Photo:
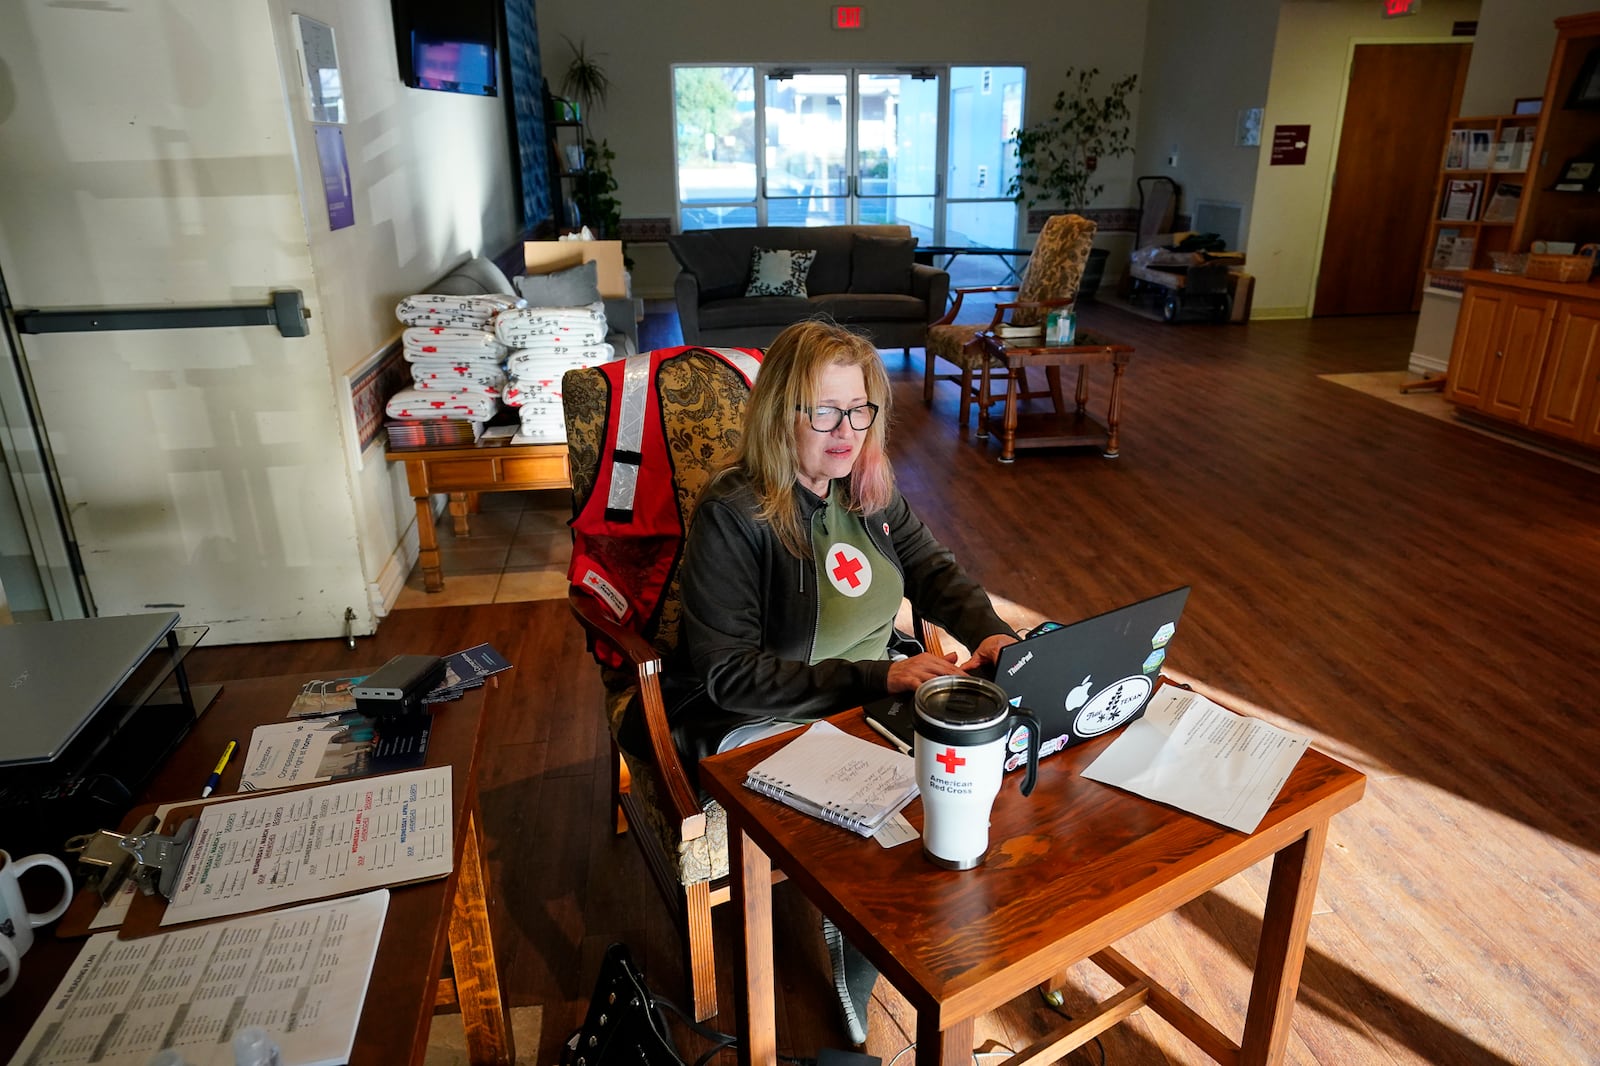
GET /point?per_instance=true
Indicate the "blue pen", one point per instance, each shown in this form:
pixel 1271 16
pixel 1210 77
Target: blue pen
pixel 216 775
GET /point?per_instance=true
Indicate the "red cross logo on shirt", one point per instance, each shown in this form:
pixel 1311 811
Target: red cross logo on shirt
pixel 950 760
pixel 847 569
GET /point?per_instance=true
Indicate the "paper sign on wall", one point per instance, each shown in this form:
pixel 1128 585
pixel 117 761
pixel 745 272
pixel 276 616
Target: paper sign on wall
pixel 1289 145
pixel 335 176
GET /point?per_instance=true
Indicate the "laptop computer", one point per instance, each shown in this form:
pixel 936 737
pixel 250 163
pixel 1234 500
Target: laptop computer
pixel 1079 680
pixel 58 675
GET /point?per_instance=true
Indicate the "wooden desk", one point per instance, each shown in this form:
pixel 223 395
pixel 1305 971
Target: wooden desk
pixel 1060 429
pixel 464 471
pixel 423 919
pixel 1070 871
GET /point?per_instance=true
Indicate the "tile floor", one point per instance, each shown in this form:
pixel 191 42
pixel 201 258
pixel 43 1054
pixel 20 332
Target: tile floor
pixel 517 548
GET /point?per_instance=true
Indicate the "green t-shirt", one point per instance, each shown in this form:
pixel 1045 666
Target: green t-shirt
pixel 858 588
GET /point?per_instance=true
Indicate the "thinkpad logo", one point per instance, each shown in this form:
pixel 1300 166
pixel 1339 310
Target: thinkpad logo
pixel 1019 664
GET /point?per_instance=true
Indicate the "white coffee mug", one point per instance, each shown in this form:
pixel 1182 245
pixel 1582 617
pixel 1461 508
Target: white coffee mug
pixel 962 725
pixel 17 923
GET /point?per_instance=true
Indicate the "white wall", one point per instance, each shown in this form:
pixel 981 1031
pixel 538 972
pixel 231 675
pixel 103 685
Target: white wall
pixel 152 154
pixel 1310 66
pixel 637 41
pixel 1191 101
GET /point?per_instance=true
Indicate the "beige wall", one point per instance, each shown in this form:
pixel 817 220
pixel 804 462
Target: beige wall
pixel 637 41
pixel 1191 101
pixel 1310 66
pixel 156 153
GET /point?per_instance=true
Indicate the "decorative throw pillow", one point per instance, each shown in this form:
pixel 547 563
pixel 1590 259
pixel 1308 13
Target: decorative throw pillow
pixel 577 286
pixel 882 264
pixel 779 273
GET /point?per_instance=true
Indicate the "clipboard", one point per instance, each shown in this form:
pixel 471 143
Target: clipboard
pixel 146 913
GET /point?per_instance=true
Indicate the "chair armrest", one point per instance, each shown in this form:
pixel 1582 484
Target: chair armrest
pixel 932 286
pixel 686 293
pixel 961 294
pixel 647 661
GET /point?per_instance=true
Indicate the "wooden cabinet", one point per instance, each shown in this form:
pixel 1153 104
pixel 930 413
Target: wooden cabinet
pixel 1490 154
pixel 1565 405
pixel 1527 352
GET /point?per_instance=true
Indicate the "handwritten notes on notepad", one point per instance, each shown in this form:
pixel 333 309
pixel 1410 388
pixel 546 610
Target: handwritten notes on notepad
pixel 843 779
pixel 288 847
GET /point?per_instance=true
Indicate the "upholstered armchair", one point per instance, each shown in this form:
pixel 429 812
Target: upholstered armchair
pixel 1050 280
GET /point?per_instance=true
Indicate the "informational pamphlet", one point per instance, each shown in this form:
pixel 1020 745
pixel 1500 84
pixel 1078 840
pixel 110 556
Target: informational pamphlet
pixel 288 847
pixel 301 974
pixel 1194 755
pixel 332 748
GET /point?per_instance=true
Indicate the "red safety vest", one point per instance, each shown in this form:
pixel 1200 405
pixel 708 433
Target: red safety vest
pixel 627 538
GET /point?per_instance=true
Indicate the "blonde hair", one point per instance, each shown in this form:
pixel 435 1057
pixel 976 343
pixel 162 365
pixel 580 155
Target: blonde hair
pixel 790 376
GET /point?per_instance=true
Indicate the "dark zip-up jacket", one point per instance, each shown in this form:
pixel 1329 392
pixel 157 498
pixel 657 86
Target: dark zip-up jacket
pixel 750 615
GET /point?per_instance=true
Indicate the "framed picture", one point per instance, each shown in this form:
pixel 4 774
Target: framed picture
pixel 1579 175
pixel 1586 88
pixel 1528 105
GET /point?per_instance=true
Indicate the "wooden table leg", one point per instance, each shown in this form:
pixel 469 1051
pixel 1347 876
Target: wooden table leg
pixel 428 546
pixel 460 504
pixel 483 1011
pixel 1053 376
pixel 1082 395
pixel 947 1047
pixel 1290 898
pixel 1113 410
pixel 983 398
pixel 752 899
pixel 1008 426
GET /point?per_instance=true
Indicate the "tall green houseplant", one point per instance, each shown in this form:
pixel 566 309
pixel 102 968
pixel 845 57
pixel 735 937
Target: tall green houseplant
pixel 586 81
pixel 1057 158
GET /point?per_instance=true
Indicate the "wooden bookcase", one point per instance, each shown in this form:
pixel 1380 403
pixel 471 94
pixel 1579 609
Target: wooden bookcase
pixel 1487 235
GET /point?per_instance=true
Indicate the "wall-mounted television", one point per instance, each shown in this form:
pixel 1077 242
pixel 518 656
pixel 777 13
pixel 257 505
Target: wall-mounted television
pixel 450 47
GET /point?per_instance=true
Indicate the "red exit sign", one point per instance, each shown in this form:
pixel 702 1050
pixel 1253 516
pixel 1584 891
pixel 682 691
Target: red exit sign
pixel 853 17
pixel 1393 9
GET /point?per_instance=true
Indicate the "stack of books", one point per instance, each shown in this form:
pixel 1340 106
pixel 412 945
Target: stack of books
pixel 437 433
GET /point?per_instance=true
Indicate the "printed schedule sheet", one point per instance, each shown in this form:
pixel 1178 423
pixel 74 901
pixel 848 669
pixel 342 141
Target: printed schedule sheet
pixel 301 974
pixel 288 847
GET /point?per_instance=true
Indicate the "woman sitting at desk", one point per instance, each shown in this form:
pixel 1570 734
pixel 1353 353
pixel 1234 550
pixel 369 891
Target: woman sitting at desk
pixel 795 565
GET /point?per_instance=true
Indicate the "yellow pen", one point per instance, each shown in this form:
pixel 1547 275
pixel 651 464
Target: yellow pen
pixel 222 764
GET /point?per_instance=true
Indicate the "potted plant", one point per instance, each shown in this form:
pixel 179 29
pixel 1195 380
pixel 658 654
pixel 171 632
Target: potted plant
pixel 585 79
pixel 597 207
pixel 1057 158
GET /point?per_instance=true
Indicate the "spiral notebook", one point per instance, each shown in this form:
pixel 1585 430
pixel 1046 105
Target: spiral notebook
pixel 829 774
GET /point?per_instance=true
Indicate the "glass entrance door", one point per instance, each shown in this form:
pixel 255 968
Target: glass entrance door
pixel 852 146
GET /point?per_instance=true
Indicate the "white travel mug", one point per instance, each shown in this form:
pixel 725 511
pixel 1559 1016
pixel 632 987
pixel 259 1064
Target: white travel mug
pixel 962 724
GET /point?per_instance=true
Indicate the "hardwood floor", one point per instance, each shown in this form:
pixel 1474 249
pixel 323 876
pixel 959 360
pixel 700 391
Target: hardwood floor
pixel 1419 599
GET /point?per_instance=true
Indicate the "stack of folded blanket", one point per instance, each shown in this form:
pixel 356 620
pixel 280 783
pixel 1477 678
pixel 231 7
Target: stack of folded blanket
pixel 457 364
pixel 545 343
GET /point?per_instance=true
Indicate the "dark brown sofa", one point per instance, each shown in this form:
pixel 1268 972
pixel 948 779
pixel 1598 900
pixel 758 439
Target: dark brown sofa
pixel 863 277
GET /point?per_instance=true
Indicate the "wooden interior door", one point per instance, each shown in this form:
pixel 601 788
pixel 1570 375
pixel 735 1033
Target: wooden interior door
pixel 1400 99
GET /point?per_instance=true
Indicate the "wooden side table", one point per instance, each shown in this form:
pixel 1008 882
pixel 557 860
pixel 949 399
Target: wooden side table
pixel 465 470
pixel 1060 429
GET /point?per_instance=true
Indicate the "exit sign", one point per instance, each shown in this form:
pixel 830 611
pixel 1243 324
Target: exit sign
pixel 1393 9
pixel 853 17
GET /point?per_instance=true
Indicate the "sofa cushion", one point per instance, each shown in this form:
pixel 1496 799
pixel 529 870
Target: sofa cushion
pixel 577 286
pixel 779 271
pixel 753 311
pixel 881 264
pixel 848 307
pixel 475 277
pixel 720 262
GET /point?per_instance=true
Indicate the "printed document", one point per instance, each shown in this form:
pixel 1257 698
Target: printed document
pixel 1194 755
pixel 301 974
pixel 288 847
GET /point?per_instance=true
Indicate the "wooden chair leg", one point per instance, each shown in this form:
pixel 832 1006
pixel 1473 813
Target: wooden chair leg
pixel 927 376
pixel 619 785
pixel 701 961
pixel 966 393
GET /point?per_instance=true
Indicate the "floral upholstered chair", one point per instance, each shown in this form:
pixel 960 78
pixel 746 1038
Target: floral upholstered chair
pixel 1051 280
pixel 701 401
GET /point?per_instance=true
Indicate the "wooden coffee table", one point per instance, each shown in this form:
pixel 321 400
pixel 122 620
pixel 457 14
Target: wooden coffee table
pixel 465 470
pixel 1061 428
pixel 1070 871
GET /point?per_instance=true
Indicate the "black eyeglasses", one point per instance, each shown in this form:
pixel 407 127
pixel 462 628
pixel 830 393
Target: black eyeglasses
pixel 828 419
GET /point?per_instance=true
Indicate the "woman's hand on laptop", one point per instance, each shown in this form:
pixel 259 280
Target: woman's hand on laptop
pixel 988 653
pixel 906 674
